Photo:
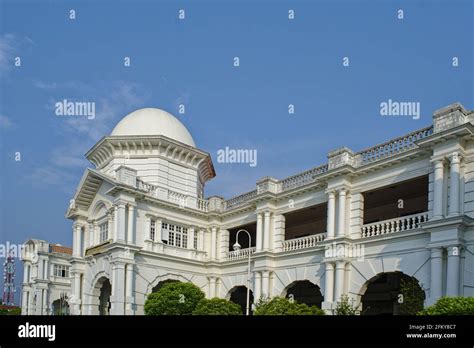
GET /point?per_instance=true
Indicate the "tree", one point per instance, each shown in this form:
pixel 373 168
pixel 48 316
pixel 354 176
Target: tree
pixel 174 299
pixel 451 306
pixel 217 306
pixel 344 307
pixel 412 297
pixel 284 306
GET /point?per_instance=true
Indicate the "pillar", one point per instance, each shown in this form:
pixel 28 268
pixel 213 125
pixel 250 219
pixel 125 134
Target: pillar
pixel 341 222
pixel 213 243
pixel 118 292
pixel 452 279
pixel 44 302
pixel 212 287
pixel 224 243
pixel 257 287
pixel 265 284
pixel 329 283
pixel 266 231
pixel 436 269
pixel 454 182
pixel 24 303
pixel 130 301
pixel 279 232
pixel 119 223
pixel 438 189
pixel 190 238
pixel 201 240
pixel 259 242
pixel 130 228
pixel 76 292
pixel 77 240
pixel 331 214
pixel 340 275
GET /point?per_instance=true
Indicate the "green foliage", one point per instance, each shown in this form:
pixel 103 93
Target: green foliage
pixel 174 299
pixel 346 307
pixel 451 306
pixel 217 306
pixel 412 297
pixel 12 311
pixel 284 306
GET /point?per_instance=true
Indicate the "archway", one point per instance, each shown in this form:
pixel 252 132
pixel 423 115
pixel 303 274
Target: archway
pixel 303 291
pixel 60 307
pixel 393 293
pixel 105 291
pixel 238 295
pixel 160 284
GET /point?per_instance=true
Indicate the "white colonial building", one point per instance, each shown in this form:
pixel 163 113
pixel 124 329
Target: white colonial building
pixel 360 224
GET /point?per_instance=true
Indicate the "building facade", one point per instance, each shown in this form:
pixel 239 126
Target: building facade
pixel 359 225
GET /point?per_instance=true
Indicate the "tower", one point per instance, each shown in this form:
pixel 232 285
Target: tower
pixel 9 280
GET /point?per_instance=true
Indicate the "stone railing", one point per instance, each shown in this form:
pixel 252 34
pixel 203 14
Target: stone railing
pixel 303 242
pixel 239 200
pixel 404 223
pixel 181 199
pixel 240 254
pixel 303 178
pixel 391 148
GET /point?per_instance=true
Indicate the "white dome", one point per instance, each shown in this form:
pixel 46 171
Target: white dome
pixel 151 121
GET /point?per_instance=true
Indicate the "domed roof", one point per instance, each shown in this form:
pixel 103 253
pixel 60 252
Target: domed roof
pixel 151 121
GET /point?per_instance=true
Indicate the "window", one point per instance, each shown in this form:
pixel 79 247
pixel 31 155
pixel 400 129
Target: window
pixel 195 241
pixel 61 271
pixel 177 235
pixel 104 232
pixel 152 229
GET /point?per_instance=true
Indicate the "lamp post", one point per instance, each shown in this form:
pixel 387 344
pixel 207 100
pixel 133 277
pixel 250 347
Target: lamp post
pixel 237 247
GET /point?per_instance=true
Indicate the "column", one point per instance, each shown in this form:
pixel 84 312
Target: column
pixel 266 231
pixel 341 222
pixel 454 182
pixel 76 300
pixel 201 240
pixel 212 287
pixel 331 214
pixel 438 189
pixel 118 282
pixel 44 302
pixel 436 265
pixel 110 228
pixel 340 275
pixel 259 241
pixel 224 243
pixel 77 240
pixel 329 283
pixel 25 274
pixel 213 243
pixel 24 303
pixel 279 232
pixel 190 238
pixel 40 269
pixel 265 283
pixel 130 228
pixel 119 222
pixel 452 279
pixel 257 287
pixel 129 289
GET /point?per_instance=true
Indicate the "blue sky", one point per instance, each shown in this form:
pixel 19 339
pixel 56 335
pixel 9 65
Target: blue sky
pixel 190 61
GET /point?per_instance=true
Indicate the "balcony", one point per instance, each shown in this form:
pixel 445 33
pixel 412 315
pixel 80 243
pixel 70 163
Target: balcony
pixel 303 242
pixel 400 224
pixel 239 254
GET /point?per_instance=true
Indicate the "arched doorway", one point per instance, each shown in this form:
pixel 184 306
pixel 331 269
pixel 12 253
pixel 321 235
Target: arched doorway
pixel 238 295
pixel 393 293
pixel 303 291
pixel 104 296
pixel 160 284
pixel 60 307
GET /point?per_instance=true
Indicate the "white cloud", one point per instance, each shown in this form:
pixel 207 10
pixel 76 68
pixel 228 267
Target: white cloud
pixel 10 45
pixel 5 122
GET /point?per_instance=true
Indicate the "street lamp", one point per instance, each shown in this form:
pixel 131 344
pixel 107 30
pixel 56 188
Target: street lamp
pixel 237 247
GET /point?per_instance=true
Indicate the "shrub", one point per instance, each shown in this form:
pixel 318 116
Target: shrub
pixel 10 311
pixel 284 306
pixel 217 306
pixel 174 299
pixel 451 306
pixel 346 307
